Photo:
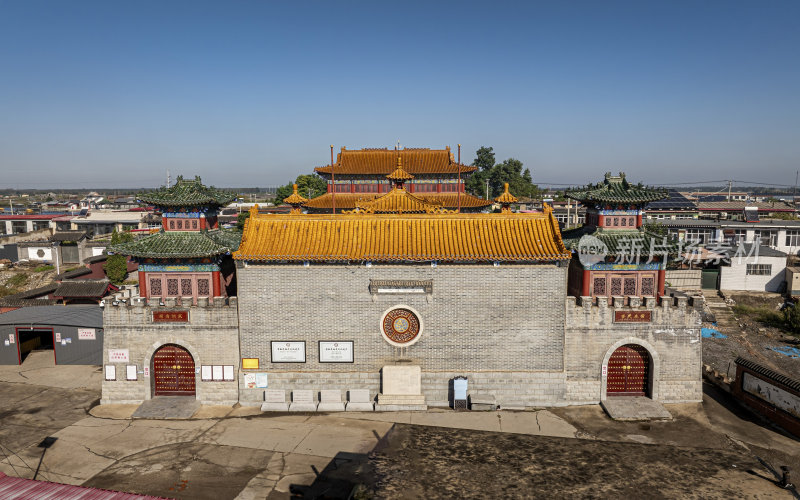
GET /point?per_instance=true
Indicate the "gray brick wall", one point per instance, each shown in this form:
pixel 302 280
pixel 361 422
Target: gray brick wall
pixel 211 336
pixel 479 319
pixel 672 337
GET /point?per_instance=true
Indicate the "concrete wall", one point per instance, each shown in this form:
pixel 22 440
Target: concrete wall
pixel 735 277
pixel 500 326
pixel 672 338
pixel 210 336
pixel 684 279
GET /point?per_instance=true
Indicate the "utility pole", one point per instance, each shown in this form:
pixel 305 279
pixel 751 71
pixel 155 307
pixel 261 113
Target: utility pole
pixel 568 219
pixel 487 189
pixel 729 190
pixel 794 191
pixel 168 179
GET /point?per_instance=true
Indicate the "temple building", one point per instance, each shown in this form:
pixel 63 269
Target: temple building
pixel 396 300
pixel 182 327
pixel 360 176
pixel 615 256
pixel 187 258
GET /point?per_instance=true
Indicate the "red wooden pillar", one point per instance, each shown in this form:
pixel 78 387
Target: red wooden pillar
pixel 142 284
pixel 410 187
pixel 215 279
pixel 662 277
pixel 601 220
pixel 587 276
pixel 380 187
pixel 639 221
pixel 352 187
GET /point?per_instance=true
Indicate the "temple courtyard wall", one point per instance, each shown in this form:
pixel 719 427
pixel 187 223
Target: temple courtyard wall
pixel 140 327
pixel 501 326
pixel 510 329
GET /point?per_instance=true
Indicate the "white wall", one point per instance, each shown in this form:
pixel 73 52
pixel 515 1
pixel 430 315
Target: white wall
pixel 734 277
pixel 33 253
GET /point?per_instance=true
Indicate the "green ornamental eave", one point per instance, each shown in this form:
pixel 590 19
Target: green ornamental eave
pixel 617 190
pixel 181 245
pixel 187 193
pixel 623 242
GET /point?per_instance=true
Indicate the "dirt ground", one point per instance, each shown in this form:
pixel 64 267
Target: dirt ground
pixel 752 340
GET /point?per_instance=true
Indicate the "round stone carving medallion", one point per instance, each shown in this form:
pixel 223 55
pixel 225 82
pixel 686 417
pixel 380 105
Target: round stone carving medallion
pixel 401 326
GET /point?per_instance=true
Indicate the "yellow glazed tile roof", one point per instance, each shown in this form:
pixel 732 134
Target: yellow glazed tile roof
pixel 402 238
pixel 382 161
pixel 348 201
pixel 397 201
pixel 506 197
pixel 399 174
pixel 294 198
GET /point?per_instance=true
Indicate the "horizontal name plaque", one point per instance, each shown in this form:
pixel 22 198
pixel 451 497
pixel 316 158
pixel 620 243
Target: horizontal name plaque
pixel 400 286
pixel 170 316
pixel 632 316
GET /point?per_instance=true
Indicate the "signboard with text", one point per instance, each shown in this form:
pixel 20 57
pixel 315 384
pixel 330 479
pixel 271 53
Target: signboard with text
pixel 632 316
pixel 118 356
pixel 86 334
pixel 170 316
pixel 288 352
pixel 336 351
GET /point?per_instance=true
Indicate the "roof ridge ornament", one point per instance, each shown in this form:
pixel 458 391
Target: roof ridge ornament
pixel 506 199
pixel 295 200
pixel 399 176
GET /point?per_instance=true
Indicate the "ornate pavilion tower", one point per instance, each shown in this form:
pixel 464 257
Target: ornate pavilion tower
pixel 616 256
pixel 190 256
pixel 361 175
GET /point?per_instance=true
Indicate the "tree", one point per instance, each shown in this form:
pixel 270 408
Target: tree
pixel 308 186
pixel 520 182
pixel 116 266
pixel 484 158
pixel 240 219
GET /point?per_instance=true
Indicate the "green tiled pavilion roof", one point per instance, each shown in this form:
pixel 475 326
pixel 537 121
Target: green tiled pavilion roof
pixel 623 242
pixel 187 193
pixel 616 189
pixel 181 245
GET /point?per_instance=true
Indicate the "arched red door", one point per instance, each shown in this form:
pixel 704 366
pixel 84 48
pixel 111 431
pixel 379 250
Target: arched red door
pixel 628 371
pixel 173 371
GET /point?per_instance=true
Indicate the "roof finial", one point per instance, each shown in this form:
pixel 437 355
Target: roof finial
pixel 399 176
pixel 505 200
pixel 295 200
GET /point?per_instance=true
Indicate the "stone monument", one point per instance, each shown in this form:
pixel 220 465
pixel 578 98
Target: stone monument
pixel 402 389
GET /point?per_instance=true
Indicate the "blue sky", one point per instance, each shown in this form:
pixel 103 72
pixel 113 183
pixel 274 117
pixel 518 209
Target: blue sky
pixel 252 93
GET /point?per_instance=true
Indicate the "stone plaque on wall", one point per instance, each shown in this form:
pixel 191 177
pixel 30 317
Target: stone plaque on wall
pixel 633 316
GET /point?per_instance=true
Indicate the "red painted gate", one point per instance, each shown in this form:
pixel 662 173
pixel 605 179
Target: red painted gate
pixel 173 372
pixel 628 371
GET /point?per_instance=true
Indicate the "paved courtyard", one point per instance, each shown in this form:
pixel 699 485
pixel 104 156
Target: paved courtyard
pixel 708 451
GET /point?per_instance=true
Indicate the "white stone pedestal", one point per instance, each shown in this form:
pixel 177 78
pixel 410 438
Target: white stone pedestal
pixel 303 401
pixel 330 400
pixel 402 389
pixel 275 400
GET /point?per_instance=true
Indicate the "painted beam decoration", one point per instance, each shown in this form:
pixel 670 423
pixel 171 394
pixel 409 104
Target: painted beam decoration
pixel 170 316
pixel 633 316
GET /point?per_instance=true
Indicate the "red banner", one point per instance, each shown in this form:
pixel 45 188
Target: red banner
pixel 170 316
pixel 632 316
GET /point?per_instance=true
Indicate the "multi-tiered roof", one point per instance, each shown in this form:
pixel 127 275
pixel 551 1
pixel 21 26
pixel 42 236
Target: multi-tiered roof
pixel 616 193
pixel 378 163
pixel 189 193
pixel 616 190
pixel 185 196
pixel 381 162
